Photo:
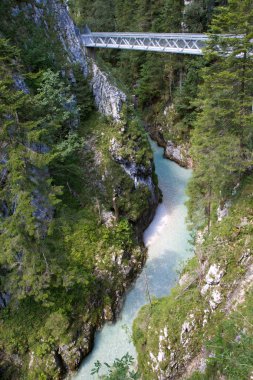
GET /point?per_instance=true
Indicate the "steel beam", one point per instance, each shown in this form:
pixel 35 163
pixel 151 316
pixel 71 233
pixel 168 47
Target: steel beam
pixel 184 43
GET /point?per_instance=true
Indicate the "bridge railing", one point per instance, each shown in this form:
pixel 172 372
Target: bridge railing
pixel 184 43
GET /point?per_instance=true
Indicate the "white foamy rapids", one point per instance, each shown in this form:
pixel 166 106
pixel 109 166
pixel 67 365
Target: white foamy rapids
pixel 156 229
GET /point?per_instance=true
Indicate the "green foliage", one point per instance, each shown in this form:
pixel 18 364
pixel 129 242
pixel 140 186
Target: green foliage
pixel 153 79
pixel 231 347
pixel 83 94
pixel 54 195
pixel 39 47
pixel 198 14
pixel 222 138
pixel 27 136
pixel 150 85
pixel 120 369
pixel 226 337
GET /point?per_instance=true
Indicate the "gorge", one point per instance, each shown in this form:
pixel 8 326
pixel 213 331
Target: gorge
pixel 79 192
pixel 167 241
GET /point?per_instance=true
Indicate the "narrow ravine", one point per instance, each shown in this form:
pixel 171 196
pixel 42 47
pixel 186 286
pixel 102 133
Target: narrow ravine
pixel 167 241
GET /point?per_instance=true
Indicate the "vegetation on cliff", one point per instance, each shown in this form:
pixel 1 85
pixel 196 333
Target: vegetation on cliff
pixel 206 102
pixel 63 175
pixel 69 212
pixel 189 327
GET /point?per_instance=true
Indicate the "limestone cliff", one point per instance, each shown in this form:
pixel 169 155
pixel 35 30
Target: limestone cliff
pixel 108 98
pixel 134 199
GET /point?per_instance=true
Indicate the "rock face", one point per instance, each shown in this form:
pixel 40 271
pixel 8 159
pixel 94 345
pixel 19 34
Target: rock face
pixel 69 35
pixel 214 275
pixel 108 98
pixel 179 154
pixel 72 354
pixel 140 174
pixel 4 299
pixel 65 29
pixel 20 84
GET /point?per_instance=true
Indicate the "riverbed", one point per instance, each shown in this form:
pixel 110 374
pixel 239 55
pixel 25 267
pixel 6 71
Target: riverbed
pixel 167 240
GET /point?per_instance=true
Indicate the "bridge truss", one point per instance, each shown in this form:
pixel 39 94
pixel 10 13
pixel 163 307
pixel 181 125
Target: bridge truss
pixel 184 43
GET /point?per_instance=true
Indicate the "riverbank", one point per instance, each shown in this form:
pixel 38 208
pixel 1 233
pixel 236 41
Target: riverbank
pixel 203 329
pixel 167 241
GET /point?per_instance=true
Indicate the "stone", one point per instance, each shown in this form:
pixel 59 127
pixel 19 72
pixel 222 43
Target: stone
pixel 71 355
pixel 5 299
pixel 178 153
pixel 245 257
pixel 108 98
pixel 161 356
pixel 214 275
pixel 205 319
pixel 200 237
pixel 20 84
pixel 205 289
pixel 215 299
pixel 69 35
pixel 222 211
pixel 140 174
pixel 108 313
pixel 108 218
pixel 187 327
pixel 66 31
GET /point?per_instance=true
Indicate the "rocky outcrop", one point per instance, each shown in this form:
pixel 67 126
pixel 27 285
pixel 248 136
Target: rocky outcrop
pixel 140 174
pixel 19 83
pixel 65 29
pixel 4 299
pixel 108 98
pixel 212 289
pixel 69 35
pixel 109 101
pixel 178 154
pixel 71 354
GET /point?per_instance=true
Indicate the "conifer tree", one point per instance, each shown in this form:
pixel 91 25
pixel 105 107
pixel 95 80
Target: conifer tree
pixel 29 126
pixel 223 135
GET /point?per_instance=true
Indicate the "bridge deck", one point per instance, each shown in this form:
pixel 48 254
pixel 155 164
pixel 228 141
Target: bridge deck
pixel 184 43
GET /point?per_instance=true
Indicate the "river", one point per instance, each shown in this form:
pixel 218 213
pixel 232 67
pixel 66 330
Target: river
pixel 168 246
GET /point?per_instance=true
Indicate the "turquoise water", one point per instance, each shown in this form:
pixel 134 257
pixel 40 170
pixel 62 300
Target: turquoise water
pixel 167 242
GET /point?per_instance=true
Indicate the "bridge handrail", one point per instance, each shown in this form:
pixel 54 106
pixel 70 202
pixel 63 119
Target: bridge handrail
pixel 186 43
pixel 146 35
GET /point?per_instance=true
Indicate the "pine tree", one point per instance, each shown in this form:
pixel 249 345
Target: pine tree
pixel 30 124
pixel 223 135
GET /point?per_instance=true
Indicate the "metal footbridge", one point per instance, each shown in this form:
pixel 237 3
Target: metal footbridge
pixel 184 43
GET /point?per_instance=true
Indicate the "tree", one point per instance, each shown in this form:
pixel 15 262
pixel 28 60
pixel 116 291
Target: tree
pixel 30 124
pixel 120 369
pixel 223 136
